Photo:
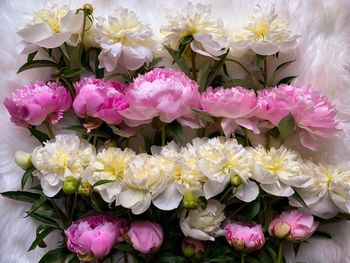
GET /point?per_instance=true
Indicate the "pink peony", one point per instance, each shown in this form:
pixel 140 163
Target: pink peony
pixel 244 236
pixel 193 248
pixel 145 236
pixel 236 106
pixel 314 114
pixel 164 93
pixel 94 236
pixel 294 225
pixel 38 102
pixel 100 99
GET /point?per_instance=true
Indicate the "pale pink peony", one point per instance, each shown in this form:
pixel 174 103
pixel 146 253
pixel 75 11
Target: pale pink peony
pixel 94 236
pixel 314 114
pixel 38 102
pixel 164 93
pixel 246 237
pixel 294 225
pixel 145 236
pixel 100 99
pixel 237 107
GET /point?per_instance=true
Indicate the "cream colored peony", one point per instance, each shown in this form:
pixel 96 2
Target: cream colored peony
pixel 124 40
pixel 50 27
pixel 143 181
pixel 109 164
pixel 204 224
pixel 277 170
pixel 62 157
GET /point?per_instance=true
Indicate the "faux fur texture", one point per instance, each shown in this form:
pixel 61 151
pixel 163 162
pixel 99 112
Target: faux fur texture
pixel 322 61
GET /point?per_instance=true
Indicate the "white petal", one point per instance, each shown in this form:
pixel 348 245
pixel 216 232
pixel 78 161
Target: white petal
pixel 136 200
pixel 24 48
pixel 265 49
pixel 212 188
pixel 248 191
pixel 35 33
pixel 107 61
pixel 134 57
pixel 325 208
pixel 169 199
pixel 278 189
pixel 50 190
pixel 55 40
pixel 72 22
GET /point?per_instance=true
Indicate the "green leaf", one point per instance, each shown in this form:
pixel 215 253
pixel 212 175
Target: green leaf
pixel 217 65
pixel 27 174
pixel 43 218
pixel 204 116
pixel 119 211
pixel 286 126
pixel 238 82
pixel 301 201
pixel 124 247
pixel 31 56
pixel 40 237
pixel 36 205
pixel 286 80
pixel 54 255
pixel 22 196
pixel 253 211
pixel 283 65
pixel 37 64
pixel 202 77
pixel 175 129
pixel 179 60
pixel 64 51
pixel 184 42
pixel 259 60
pixel 101 182
pixel 39 135
pixel 99 72
pixel 75 259
pixel 83 130
pixel 220 253
pixel 68 73
pixel 94 203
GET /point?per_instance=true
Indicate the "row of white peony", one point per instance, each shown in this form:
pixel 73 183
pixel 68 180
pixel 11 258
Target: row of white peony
pixel 205 167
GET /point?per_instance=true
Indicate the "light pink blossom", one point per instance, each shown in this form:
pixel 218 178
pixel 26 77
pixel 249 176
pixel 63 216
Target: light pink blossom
pixel 247 237
pixel 164 93
pixel 100 99
pixel 146 236
pixel 38 102
pixel 236 106
pixel 94 236
pixel 294 225
pixel 314 114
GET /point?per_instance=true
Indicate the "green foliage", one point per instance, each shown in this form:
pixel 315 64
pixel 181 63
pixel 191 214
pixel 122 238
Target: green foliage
pixel 179 60
pixel 27 174
pixel 286 126
pixel 39 135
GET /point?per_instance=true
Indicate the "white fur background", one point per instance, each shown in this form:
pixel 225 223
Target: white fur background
pixel 323 61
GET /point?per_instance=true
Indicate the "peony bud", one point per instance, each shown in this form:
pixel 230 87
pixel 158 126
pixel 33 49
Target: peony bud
pixel 23 159
pixel 70 185
pixel 193 248
pixel 85 188
pixel 293 225
pixel 236 180
pixel 88 9
pixel 191 200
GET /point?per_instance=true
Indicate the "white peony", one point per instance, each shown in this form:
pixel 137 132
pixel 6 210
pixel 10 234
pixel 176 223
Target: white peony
pixel 64 156
pixel 124 40
pixel 196 21
pixel 204 224
pixel 265 33
pixel 109 164
pixel 143 181
pixel 219 160
pixel 50 27
pixel 277 170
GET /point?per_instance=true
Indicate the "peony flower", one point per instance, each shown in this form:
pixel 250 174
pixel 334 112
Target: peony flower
pixel 219 160
pixel 109 164
pixel 236 106
pixel 277 170
pixel 143 181
pixel 38 102
pixel 94 236
pixel 164 93
pixel 293 225
pixel 314 114
pixel 100 99
pixel 193 247
pixel 203 224
pixel 50 27
pixel 145 236
pixel 124 40
pixel 265 33
pixel 196 21
pixel 327 191
pixel 246 237
pixel 65 156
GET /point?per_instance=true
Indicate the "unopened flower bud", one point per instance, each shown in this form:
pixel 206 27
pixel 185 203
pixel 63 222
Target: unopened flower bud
pixel 55 73
pixel 111 143
pixel 281 230
pixel 88 9
pixel 236 180
pixel 193 248
pixel 23 160
pixel 70 185
pixel 85 188
pixel 86 257
pixel 191 200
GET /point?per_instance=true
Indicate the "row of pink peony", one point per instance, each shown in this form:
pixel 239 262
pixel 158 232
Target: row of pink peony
pixel 94 236
pixel 171 95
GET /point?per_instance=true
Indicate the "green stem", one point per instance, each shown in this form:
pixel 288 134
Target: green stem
pixel 95 141
pixel 163 134
pixel 69 86
pixel 246 136
pixel 83 34
pixel 194 70
pixel 73 207
pixel 48 127
pixel 267 136
pixel 58 211
pixel 265 72
pixel 280 253
pixel 242 257
pixel 226 193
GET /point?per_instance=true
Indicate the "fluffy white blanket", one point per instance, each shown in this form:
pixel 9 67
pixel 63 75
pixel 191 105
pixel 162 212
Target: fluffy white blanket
pixel 323 61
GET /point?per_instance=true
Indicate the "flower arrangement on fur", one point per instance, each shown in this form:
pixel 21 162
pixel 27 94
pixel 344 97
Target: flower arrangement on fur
pixel 177 162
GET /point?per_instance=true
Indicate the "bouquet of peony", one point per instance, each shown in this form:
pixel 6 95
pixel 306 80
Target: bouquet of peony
pixel 179 149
